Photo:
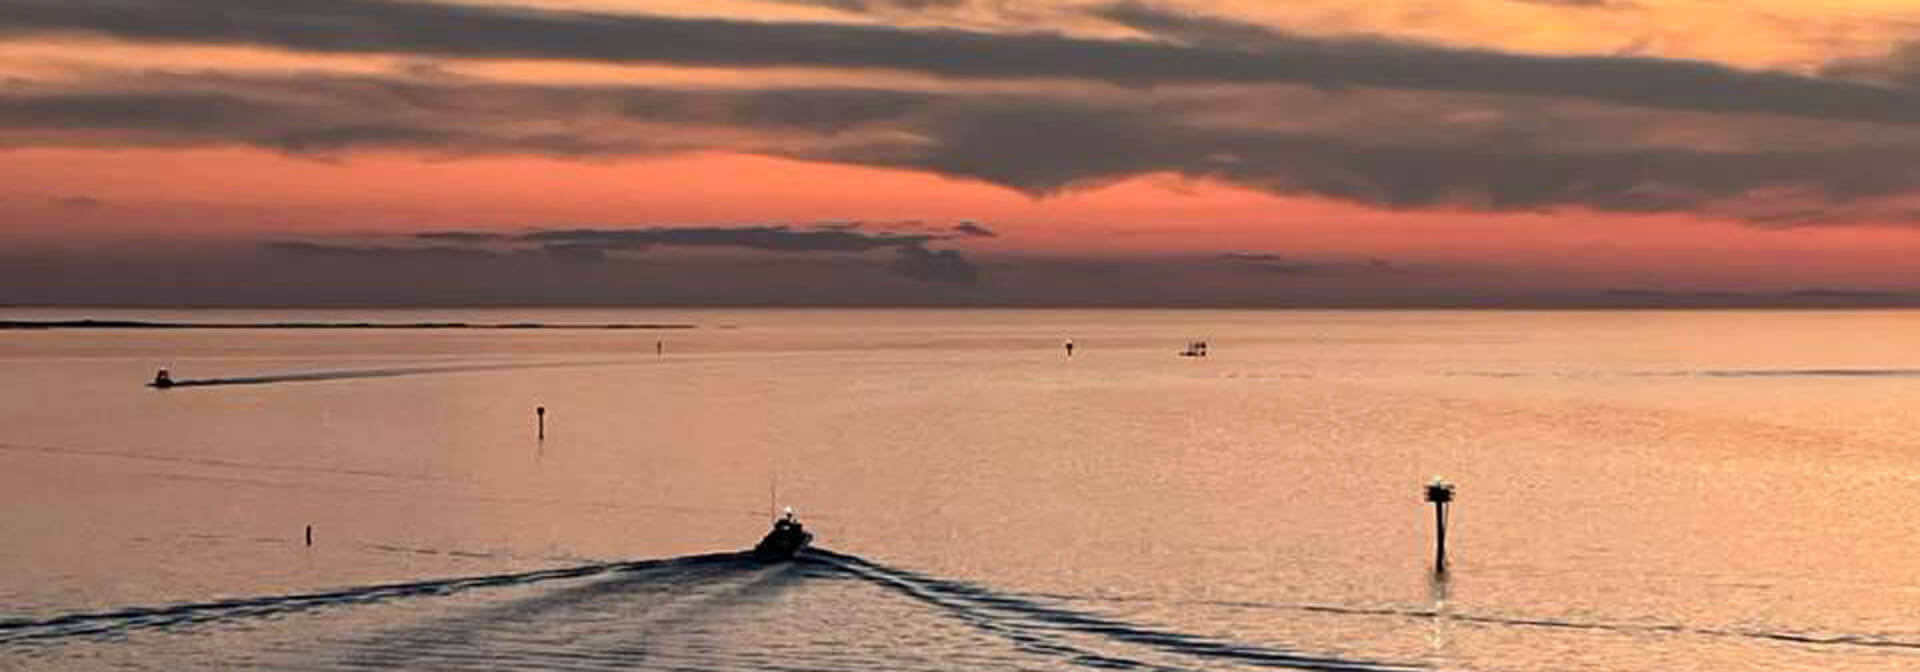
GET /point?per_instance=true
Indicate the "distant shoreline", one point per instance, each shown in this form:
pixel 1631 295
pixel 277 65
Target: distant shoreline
pixel 141 324
pixel 1903 303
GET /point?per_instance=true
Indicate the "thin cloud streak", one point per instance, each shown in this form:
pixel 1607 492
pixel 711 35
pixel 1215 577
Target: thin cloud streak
pixel 777 238
pixel 974 229
pixel 912 258
pixel 78 202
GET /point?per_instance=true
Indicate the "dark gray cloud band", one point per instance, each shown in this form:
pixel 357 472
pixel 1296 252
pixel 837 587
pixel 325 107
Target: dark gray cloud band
pixel 1378 149
pixel 323 113
pixel 1374 148
pixel 1246 55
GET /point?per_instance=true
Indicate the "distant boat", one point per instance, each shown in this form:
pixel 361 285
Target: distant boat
pixel 162 380
pixel 1195 349
pixel 786 540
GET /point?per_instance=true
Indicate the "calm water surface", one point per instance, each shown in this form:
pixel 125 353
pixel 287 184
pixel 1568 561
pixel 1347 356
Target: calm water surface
pixel 1638 491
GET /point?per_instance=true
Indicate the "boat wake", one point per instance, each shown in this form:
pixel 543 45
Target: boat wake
pixel 1033 626
pixel 1818 372
pixel 824 610
pixel 1808 373
pixel 391 372
pixel 138 618
pixel 1885 641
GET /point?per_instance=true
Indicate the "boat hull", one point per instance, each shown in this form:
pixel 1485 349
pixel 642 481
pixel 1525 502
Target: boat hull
pixel 782 545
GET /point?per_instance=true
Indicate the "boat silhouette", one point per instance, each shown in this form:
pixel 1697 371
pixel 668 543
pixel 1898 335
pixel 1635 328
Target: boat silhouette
pixel 785 541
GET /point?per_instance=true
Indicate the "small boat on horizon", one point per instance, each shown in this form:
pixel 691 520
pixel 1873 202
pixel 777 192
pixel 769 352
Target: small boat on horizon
pixel 786 540
pixel 162 380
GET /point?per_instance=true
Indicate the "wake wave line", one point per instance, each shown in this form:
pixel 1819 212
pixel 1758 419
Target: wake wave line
pixel 1815 372
pixel 1024 621
pixel 1831 639
pixel 142 618
pixel 1809 373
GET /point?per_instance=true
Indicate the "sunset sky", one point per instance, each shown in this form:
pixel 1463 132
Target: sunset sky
pixel 960 152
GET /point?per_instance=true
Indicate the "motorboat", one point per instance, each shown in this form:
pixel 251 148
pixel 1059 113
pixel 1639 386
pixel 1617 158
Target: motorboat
pixel 1195 349
pixel 786 540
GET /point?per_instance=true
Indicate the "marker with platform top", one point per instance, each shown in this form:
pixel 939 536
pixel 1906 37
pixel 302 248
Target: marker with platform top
pixel 1440 493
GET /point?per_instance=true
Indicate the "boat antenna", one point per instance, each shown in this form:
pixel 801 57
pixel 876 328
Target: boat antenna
pixel 773 487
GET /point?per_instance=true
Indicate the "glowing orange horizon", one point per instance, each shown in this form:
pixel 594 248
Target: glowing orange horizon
pixel 244 195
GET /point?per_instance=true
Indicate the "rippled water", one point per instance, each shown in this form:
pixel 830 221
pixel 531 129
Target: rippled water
pixel 1638 490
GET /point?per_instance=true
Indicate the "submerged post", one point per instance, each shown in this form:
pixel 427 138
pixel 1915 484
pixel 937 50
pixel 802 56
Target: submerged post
pixel 1440 493
pixel 540 412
